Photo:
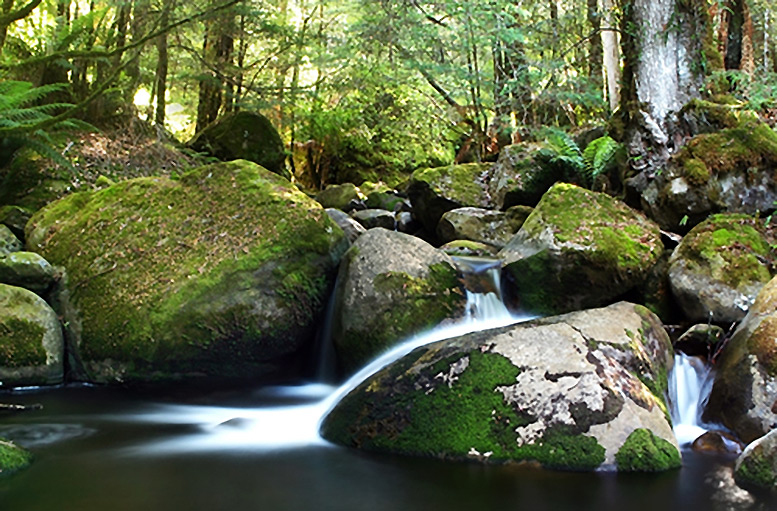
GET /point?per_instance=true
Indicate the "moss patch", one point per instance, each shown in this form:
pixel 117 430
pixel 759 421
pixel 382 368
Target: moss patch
pixel 12 458
pixel 763 344
pixel 756 470
pixel 643 451
pixel 21 343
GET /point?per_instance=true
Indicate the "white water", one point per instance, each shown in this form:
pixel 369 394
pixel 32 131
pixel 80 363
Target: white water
pixel 690 383
pixel 297 426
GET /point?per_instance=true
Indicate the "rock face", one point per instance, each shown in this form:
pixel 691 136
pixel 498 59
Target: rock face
pixel 372 218
pixel 12 458
pixel 744 395
pixel 435 191
pixel 495 228
pixel 579 249
pixel 756 467
pixel 718 268
pixel 246 136
pixel 727 168
pixel 350 227
pixel 520 176
pixel 338 196
pixel 8 242
pixel 391 285
pixel 582 391
pixel 223 272
pixel 31 344
pixel 28 270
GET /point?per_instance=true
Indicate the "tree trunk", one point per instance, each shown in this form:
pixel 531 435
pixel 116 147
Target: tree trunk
pixel 161 70
pixel 668 49
pixel 595 45
pixel 611 54
pixel 217 54
pixel 735 36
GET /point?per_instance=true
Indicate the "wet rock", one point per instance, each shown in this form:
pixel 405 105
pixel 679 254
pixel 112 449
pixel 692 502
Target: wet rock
pixel 434 191
pixel 12 458
pixel 469 249
pixel 719 267
pixel 391 285
pixel 8 241
pixel 493 396
pixel 756 467
pixel 579 249
pixel 372 218
pixel 338 196
pixel 28 270
pixel 494 228
pixel 223 272
pixel 407 223
pixel 700 340
pixel 744 395
pixel 718 442
pixel 32 347
pixel 350 227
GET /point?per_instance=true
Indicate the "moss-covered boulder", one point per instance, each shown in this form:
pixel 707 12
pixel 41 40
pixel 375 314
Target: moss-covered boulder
pixel 521 176
pixel 731 169
pixel 720 266
pixel 391 285
pixel 244 136
pixel 340 197
pixel 8 241
pixel 31 343
pixel 434 191
pixel 223 272
pixel 744 395
pixel 495 228
pixel 28 270
pixel 756 467
pixel 567 392
pixel 579 249
pixel 12 458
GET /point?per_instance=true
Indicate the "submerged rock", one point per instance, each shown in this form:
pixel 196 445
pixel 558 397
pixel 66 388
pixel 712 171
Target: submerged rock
pixel 718 268
pixel 31 343
pixel 244 136
pixel 744 395
pixel 582 391
pixel 756 467
pixel 579 249
pixel 435 191
pixel 223 272
pixel 391 285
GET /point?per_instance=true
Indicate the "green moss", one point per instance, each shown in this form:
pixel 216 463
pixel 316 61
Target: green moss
pixel 468 414
pixel 731 247
pixel 12 458
pixel 21 343
pixel 756 470
pixel 457 182
pixel 763 344
pixel 643 451
pixel 696 171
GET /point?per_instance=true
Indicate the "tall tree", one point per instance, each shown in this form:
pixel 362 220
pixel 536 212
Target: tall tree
pixel 611 54
pixel 217 57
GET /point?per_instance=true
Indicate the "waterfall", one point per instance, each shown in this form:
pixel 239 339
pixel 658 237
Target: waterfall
pixel 284 427
pixel 690 383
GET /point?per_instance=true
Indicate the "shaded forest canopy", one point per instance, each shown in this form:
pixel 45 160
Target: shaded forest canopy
pixel 358 89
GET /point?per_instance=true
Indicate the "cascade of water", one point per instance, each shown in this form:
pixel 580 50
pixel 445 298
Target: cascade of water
pixel 690 383
pixel 298 425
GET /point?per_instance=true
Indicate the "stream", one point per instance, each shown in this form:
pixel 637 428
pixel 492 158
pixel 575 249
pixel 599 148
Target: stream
pixel 178 447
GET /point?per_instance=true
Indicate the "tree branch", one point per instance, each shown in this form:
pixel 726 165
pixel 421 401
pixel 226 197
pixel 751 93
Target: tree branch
pixel 10 17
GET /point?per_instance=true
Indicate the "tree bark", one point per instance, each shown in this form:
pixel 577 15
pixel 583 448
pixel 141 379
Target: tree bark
pixel 161 70
pixel 217 54
pixel 595 45
pixel 735 36
pixel 611 54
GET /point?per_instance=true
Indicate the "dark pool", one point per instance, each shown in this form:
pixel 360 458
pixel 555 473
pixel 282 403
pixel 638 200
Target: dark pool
pixel 106 449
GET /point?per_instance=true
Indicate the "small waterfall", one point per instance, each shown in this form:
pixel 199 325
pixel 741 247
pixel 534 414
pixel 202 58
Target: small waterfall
pixel 284 427
pixel 690 383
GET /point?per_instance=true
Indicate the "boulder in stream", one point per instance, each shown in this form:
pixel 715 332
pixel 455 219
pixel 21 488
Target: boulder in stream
pixel 12 458
pixel 391 285
pixel 756 467
pixel 223 272
pixel 583 391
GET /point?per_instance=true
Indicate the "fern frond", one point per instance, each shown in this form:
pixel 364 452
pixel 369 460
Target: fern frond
pixel 598 155
pixel 41 143
pixel 559 147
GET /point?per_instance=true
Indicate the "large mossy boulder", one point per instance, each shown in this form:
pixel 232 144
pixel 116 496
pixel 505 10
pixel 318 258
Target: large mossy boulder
pixel 579 249
pixel 521 175
pixel 12 458
pixel 223 272
pixel 434 191
pixel 720 266
pixel 729 166
pixel 756 467
pixel 584 391
pixel 32 347
pixel 391 285
pixel 244 136
pixel 744 395
pixel 495 228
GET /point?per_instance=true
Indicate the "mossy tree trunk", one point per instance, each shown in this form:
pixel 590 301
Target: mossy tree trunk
pixel 668 48
pixel 735 35
pixel 217 55
pixel 595 44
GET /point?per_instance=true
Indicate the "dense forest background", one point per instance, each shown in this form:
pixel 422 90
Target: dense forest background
pixel 358 89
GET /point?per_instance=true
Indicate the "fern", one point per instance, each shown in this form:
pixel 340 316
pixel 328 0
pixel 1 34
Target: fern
pixel 598 155
pixel 561 149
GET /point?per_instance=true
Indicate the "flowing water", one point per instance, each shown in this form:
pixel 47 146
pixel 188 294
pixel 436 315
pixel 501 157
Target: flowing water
pixel 171 448
pixel 690 383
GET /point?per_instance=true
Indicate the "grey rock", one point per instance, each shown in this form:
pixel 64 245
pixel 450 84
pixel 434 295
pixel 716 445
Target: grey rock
pixel 350 227
pixel 8 241
pixel 756 467
pixel 372 218
pixel 28 270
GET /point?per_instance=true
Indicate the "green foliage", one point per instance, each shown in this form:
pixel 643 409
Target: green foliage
pixel 585 165
pixel 598 156
pixel 643 451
